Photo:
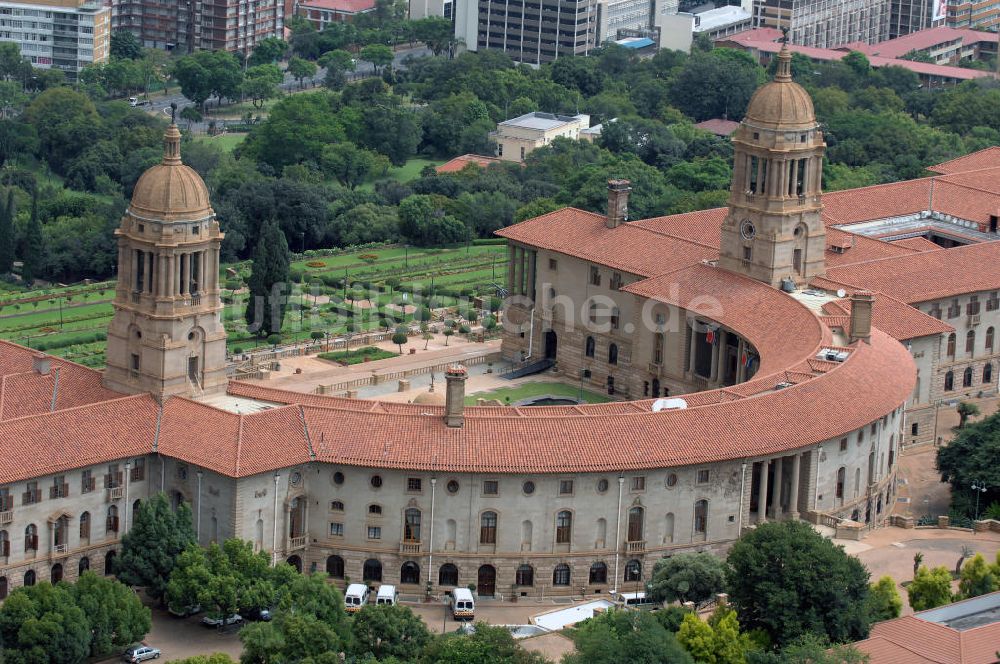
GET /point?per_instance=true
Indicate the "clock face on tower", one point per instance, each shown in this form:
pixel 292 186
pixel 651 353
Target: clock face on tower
pixel 747 229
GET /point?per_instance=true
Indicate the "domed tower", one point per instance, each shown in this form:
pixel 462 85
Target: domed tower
pixel 166 336
pixel 774 229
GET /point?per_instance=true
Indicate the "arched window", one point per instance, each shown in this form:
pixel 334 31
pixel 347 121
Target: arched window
pixel 4 544
pixel 635 524
pixel 29 578
pixel 633 570
pixel 109 562
pixel 56 573
pixel 668 532
pixel 970 342
pixel 949 381
pixel 613 354
pixel 560 575
pixel 857 482
pixel 31 537
pixel 602 533
pixel 84 565
pixel 951 345
pixel 967 377
pixel 987 373
pixel 85 526
pixel 598 573
pixel 135 510
pixel 564 527
pixel 60 531
pixel 375 509
pixel 3 587
pixel 989 339
pixel 335 567
pixel 488 528
pixel 701 517
pixel 841 478
pixel 372 570
pixel 411 527
pixel 448 575
pixel 409 572
pixel 589 347
pixel 525 576
pixel 111 522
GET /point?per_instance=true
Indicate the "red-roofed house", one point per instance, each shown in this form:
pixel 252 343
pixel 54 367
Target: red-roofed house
pixel 458 163
pixel 323 12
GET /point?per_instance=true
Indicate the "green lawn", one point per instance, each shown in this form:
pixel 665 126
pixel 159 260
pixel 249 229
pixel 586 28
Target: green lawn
pixel 358 355
pixel 411 169
pixel 226 142
pixel 529 390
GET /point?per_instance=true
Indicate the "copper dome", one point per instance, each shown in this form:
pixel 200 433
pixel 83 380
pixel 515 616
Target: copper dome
pixel 171 191
pixel 781 103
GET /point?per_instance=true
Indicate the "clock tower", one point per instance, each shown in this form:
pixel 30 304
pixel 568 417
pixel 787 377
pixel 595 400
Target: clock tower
pixel 773 230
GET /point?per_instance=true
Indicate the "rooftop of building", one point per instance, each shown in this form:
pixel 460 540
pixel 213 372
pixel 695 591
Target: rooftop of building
pixel 719 126
pixel 720 17
pixel 460 162
pixel 545 121
pixel 341 6
pixel 925 39
pixel 966 632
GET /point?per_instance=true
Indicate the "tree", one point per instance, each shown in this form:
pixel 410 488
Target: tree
pixel 337 62
pixel 625 636
pixel 42 624
pixel 448 332
pixel 400 337
pixel 717 641
pixel 191 114
pixel 884 602
pixel 437 33
pixel 966 409
pixel 351 165
pixel 536 208
pixel 379 55
pixel 687 577
pixel 114 613
pixel 423 220
pixel 125 45
pixel 978 578
pixel 207 73
pixel 717 84
pixel 812 649
pixel 301 69
pixel 929 588
pixel 268 282
pixel 297 129
pixel 268 51
pixel 261 83
pixel 487 643
pixel 67 123
pixel 34 244
pixel 788 580
pixel 971 458
pixel 150 548
pixel 7 239
pixel 388 630
pixel 11 61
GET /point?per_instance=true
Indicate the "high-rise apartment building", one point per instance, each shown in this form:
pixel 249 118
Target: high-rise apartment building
pixel 826 23
pixel 58 34
pixel 977 14
pixel 906 16
pixel 532 32
pixel 217 25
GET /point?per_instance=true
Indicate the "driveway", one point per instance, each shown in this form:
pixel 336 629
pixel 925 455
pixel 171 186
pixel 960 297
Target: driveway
pixel 180 638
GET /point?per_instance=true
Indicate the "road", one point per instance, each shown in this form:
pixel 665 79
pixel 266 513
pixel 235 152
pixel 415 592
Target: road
pixel 364 69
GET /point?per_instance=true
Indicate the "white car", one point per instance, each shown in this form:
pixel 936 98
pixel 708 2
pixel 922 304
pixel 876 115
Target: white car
pixel 140 654
pixel 217 621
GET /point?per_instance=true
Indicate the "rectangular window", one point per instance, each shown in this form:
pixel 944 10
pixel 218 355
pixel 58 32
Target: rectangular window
pixel 843 444
pixel 374 532
pixel 972 308
pixel 703 476
pixel 565 487
pixel 639 483
pixel 595 276
pixel 955 309
pixel 993 303
pixel 914 429
pixel 615 318
pixel 935 311
pixel 32 494
pixel 337 530
pixel 616 280
pixel 135 362
pixel 114 478
pixel 553 264
pixel 413 484
pixel 138 472
pixel 87 483
pixel 59 487
pixel 747 253
pixel 491 487
pixel 6 500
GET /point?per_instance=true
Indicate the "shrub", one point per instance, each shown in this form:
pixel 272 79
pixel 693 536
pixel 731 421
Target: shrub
pixel 464 329
pixel 368 258
pixel 315 264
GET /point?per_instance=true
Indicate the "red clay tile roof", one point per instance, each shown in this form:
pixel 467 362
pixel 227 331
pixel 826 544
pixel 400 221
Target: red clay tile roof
pixel 343 6
pixel 895 318
pixel 987 158
pixel 918 243
pixel 458 163
pixel 924 39
pixel 911 639
pixel 719 126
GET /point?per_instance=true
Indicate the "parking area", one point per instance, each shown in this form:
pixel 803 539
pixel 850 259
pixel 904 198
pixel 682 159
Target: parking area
pixel 180 638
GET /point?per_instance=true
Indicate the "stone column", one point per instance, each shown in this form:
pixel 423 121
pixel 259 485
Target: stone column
pixel 530 284
pixel 691 349
pixel 146 272
pixel 741 372
pixel 778 463
pixel 714 377
pixel 793 499
pixel 185 273
pixel 510 268
pixel 515 287
pixel 163 278
pixel 762 491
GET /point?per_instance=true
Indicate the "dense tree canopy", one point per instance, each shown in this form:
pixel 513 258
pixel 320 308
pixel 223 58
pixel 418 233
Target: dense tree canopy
pixel 149 549
pixel 970 458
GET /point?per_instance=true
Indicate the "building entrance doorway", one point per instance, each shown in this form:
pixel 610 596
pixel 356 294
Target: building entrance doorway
pixel 551 342
pixel 487 581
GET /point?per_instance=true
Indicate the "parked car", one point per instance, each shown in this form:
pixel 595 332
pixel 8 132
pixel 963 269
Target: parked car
pixel 264 615
pixel 184 612
pixel 217 621
pixel 140 654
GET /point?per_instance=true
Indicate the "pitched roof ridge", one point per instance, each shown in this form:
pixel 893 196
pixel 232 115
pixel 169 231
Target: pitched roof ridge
pixel 95 404
pixel 239 447
pixel 562 210
pixel 305 430
pixel 966 185
pixel 671 235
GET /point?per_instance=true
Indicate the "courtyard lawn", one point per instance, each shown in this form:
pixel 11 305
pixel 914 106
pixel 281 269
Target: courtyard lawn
pixel 358 355
pixel 225 142
pixel 411 169
pixel 538 389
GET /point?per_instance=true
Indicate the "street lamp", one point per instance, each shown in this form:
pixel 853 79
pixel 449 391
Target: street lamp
pixel 980 488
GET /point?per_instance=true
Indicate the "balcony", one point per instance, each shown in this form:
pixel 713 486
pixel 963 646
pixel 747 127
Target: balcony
pixel 635 547
pixel 6 517
pixel 60 550
pixel 296 543
pixel 115 493
pixel 411 548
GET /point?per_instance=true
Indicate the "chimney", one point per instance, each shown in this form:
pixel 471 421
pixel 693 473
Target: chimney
pixel 617 202
pixel 454 406
pixel 861 316
pixel 41 364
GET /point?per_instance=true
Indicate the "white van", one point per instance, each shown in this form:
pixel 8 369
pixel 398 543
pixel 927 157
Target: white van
pixel 462 605
pixel 356 597
pixel 634 601
pixel 135 101
pixel 387 595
